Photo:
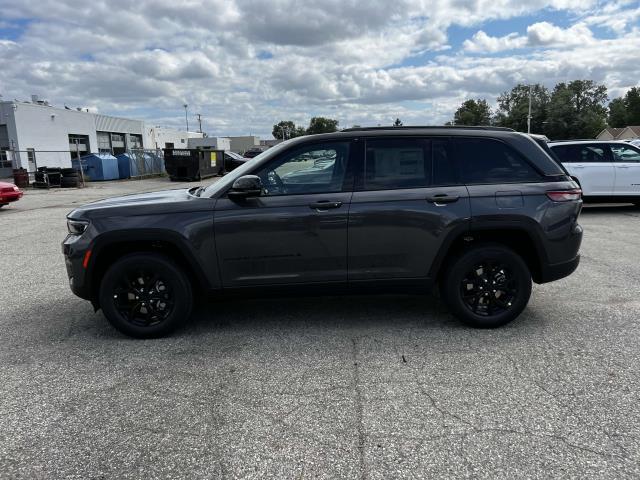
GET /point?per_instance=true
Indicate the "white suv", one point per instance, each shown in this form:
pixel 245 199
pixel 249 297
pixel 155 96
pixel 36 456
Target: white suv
pixel 606 170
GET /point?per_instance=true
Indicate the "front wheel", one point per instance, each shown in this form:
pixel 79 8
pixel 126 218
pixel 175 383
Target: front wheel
pixel 145 295
pixel 487 286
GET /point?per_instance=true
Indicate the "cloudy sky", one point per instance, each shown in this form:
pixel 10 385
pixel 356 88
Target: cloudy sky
pixel 244 65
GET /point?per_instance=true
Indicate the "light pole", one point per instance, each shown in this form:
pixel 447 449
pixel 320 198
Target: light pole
pixel 199 122
pixel 186 117
pixel 529 115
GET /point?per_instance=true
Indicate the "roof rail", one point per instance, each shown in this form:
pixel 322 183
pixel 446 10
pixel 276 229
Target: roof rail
pixel 430 127
pixel 580 140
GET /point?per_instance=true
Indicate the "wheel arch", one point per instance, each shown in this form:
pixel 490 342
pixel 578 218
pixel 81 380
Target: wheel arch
pixel 520 238
pixel 109 247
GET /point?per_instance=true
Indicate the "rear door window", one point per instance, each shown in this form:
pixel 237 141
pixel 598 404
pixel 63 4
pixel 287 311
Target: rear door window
pixel 397 163
pixel 581 153
pixel 486 161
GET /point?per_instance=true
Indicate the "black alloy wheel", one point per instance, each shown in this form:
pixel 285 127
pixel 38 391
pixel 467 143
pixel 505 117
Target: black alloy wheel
pixel 486 286
pixel 145 295
pixel 143 298
pixel 489 288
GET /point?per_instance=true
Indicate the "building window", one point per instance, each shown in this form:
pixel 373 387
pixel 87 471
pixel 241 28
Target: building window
pixel 135 142
pixel 79 144
pixel 4 158
pixel 104 142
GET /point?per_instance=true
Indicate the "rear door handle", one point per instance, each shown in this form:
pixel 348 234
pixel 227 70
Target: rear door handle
pixel 578 166
pixel 325 205
pixel 442 198
pixel 622 166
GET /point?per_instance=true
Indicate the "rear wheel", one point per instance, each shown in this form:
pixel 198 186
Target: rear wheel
pixel 487 286
pixel 145 295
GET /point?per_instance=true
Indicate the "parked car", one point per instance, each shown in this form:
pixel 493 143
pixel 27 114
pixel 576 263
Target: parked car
pixel 608 171
pixel 478 212
pixel 233 160
pixel 253 152
pixel 9 193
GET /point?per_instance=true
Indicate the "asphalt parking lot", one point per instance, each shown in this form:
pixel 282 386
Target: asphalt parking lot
pixel 350 387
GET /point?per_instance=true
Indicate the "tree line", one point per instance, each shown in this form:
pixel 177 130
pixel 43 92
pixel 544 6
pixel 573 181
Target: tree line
pixel 287 129
pixel 576 109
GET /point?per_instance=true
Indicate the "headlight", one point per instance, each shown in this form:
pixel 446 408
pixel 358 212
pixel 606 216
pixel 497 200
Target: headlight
pixel 76 227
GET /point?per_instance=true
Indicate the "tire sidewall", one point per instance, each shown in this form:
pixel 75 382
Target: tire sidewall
pixel 460 267
pixel 170 273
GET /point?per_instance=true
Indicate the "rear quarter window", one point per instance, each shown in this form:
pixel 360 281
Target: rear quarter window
pixel 485 160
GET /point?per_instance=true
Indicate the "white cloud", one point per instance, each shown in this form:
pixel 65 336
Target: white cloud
pixel 547 34
pixel 363 64
pixel 483 43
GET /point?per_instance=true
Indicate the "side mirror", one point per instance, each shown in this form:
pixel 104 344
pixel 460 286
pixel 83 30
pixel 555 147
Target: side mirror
pixel 245 187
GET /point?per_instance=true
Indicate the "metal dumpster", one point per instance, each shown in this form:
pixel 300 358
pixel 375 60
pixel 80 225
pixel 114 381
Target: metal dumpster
pixel 193 164
pixel 98 166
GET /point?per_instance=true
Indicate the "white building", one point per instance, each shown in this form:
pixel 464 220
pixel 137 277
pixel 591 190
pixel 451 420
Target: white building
pixel 35 134
pixel 163 137
pixel 210 143
pixel 244 143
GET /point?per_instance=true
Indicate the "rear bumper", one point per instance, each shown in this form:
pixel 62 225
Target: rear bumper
pixel 557 271
pixel 570 248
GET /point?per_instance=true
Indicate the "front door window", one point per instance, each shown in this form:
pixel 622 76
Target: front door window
pixel 312 169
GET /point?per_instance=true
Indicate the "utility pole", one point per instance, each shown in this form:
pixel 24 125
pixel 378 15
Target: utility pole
pixel 199 122
pixel 186 117
pixel 529 115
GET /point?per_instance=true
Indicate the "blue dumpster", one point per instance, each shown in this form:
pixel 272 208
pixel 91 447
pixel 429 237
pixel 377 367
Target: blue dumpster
pixel 99 166
pixel 127 166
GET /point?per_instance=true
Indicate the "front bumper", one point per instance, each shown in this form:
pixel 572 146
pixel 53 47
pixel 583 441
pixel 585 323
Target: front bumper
pixel 10 197
pixel 74 249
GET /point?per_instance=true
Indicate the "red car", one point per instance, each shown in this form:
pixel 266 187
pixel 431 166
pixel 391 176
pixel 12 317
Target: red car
pixel 9 193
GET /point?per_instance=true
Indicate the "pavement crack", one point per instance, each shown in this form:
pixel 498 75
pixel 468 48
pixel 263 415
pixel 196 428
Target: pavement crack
pixel 359 408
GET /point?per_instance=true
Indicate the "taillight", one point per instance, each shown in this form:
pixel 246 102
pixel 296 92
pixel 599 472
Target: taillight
pixel 565 195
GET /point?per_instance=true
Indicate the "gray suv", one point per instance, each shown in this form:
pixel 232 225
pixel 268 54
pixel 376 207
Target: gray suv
pixel 479 212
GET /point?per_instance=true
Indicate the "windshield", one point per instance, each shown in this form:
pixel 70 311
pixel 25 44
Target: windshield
pixel 228 179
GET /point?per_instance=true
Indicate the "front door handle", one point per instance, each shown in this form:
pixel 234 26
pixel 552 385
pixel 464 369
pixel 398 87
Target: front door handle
pixel 325 205
pixel 622 166
pixel 442 198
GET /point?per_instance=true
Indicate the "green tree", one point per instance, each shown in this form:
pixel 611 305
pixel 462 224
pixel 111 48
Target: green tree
pixel 513 108
pixel 284 128
pixel 576 110
pixel 632 101
pixel 473 112
pixel 618 113
pixel 397 123
pixel 322 125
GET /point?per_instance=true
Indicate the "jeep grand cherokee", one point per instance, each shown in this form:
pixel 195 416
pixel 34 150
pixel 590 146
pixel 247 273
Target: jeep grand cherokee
pixel 479 212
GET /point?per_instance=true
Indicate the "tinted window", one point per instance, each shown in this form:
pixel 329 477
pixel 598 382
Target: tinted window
pixel 622 153
pixel 581 153
pixel 397 163
pixel 484 160
pixel 444 171
pixel 316 168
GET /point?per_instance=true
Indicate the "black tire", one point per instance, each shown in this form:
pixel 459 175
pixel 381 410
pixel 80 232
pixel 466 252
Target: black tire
pixel 122 289
pixel 467 287
pixel 68 182
pixel 68 171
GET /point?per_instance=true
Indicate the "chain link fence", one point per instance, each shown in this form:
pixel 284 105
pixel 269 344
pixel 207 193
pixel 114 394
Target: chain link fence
pixel 136 163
